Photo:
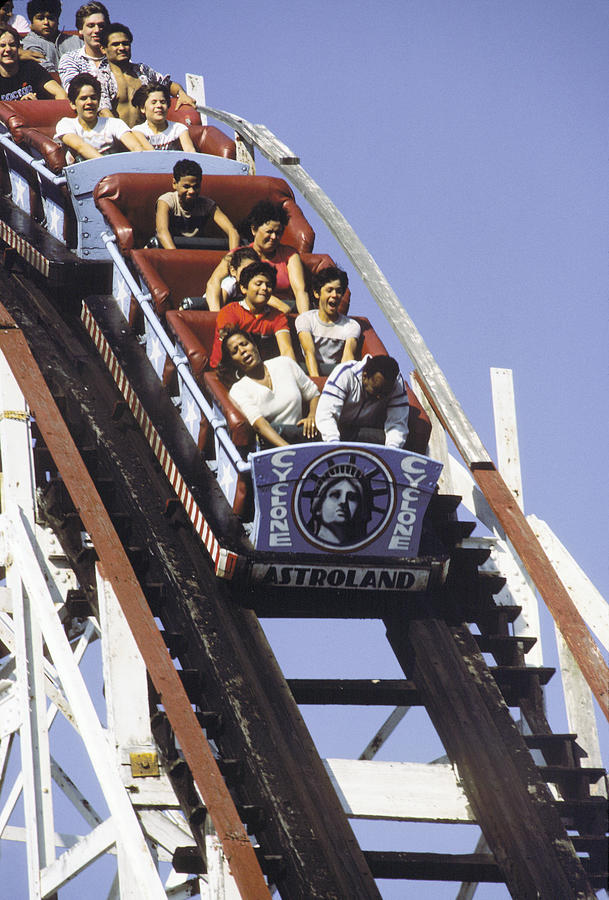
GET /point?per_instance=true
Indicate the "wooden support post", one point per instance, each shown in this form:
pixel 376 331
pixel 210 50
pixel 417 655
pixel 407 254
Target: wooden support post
pixel 19 490
pixel 512 805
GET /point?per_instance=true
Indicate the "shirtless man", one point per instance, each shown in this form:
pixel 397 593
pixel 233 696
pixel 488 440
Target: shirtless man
pixel 127 76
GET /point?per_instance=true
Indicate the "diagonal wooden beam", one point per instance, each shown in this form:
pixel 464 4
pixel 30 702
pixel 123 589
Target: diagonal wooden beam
pixel 570 623
pixel 120 574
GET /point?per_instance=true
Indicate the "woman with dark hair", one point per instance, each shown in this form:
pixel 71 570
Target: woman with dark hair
pixel 266 223
pixel 340 506
pixel 270 394
pixel 23 79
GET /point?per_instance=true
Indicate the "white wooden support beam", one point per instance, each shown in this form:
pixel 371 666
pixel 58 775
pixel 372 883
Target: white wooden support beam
pixel 125 679
pixel 10 711
pixel 181 887
pixel 220 883
pixel 78 857
pixel 53 692
pixel 438 443
pixel 76 798
pixel 415 792
pixel 385 731
pixel 195 88
pixel 165 832
pixel 126 691
pixel 5 750
pixel 579 704
pixel 506 432
pixel 590 603
pixel 518 589
pixel 123 815
pixel 18 486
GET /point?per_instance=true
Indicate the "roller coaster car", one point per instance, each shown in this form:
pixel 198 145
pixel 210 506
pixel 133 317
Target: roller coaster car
pixel 32 125
pixel 194 332
pixel 395 485
pixel 128 203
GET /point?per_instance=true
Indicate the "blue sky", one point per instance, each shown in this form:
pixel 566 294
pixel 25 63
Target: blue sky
pixel 466 142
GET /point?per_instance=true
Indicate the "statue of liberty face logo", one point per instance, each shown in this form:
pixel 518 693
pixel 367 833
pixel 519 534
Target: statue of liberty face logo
pixel 344 499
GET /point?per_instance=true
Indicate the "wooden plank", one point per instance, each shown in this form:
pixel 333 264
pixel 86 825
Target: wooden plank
pixel 434 866
pixel 78 857
pixel 363 691
pixel 512 805
pixel 580 711
pixel 407 792
pixel 590 603
pixel 561 606
pixel 384 732
pixel 506 433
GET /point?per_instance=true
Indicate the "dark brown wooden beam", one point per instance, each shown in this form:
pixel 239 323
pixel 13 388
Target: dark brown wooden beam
pixel 469 867
pixel 512 805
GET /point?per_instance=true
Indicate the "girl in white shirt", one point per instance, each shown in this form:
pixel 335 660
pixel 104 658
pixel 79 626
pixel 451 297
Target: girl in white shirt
pixel 270 394
pixel 153 102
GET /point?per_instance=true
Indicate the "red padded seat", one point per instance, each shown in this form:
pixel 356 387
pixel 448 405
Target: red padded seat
pixel 194 330
pixel 128 203
pixel 171 275
pixel 32 124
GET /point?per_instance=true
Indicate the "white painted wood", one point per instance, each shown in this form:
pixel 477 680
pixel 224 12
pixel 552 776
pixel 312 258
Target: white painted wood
pixel 128 829
pixel 76 798
pixel 6 744
pixel 438 444
pixel 7 636
pixel 78 857
pixel 6 602
pixel 188 886
pixel 579 704
pixel 152 793
pixel 590 603
pixel 416 792
pixel 125 681
pixel 384 732
pixel 506 431
pixel 18 487
pixel 165 832
pixel 472 497
pixel 220 883
pixel 195 88
pixel 18 834
pixel 10 712
pixel 519 589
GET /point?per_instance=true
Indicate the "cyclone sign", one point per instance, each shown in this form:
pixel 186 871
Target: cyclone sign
pixel 344 499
